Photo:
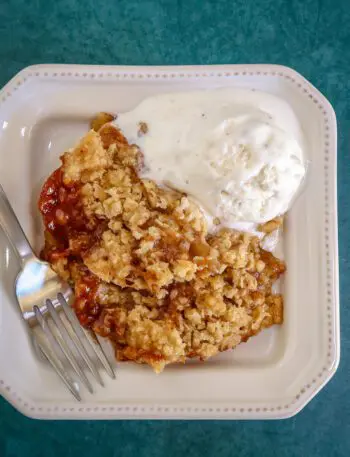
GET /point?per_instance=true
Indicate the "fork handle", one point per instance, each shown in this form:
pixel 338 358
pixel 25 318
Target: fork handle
pixel 13 229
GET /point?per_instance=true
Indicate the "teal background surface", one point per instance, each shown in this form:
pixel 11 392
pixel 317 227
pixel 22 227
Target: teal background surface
pixel 313 37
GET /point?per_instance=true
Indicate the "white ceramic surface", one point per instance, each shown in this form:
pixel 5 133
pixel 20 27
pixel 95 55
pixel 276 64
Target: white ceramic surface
pixel 44 110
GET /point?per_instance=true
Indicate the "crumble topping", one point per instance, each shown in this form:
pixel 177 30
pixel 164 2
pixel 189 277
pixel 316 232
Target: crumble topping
pixel 145 270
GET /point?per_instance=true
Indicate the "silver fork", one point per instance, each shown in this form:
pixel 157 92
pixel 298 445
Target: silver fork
pixel 43 299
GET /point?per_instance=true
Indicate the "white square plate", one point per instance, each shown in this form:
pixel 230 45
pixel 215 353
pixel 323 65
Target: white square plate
pixel 43 111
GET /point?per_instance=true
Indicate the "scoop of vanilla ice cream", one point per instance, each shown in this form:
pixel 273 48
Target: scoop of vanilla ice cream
pixel 233 151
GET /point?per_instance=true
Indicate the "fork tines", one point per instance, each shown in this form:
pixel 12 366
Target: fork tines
pixel 65 336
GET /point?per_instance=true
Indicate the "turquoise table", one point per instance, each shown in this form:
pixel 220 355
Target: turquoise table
pixel 312 36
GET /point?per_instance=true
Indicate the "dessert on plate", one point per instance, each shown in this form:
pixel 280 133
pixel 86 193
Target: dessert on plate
pixel 159 227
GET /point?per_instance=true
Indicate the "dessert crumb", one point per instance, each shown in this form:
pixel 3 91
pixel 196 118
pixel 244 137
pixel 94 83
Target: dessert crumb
pixel 143 128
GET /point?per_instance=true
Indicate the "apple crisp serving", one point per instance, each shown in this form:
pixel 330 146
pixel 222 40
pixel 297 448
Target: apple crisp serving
pixel 146 272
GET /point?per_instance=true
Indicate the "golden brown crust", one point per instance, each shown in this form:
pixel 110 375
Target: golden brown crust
pixel 271 226
pixel 146 272
pixel 101 119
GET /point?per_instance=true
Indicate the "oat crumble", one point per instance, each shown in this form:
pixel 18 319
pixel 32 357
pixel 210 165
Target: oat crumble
pixel 146 272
